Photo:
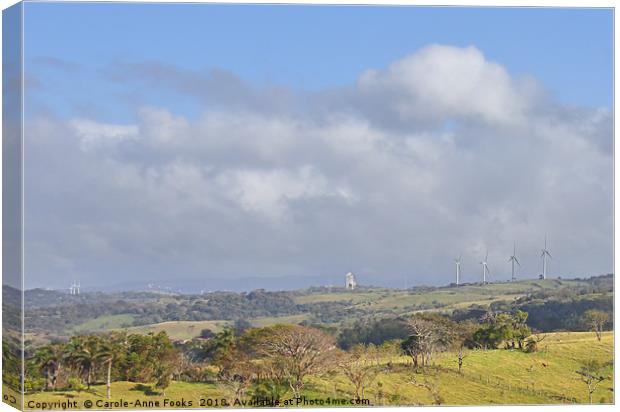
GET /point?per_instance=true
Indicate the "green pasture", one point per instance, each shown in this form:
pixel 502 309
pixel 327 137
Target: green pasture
pixel 489 377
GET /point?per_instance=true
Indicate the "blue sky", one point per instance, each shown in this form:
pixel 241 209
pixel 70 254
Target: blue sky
pixel 309 47
pixel 225 142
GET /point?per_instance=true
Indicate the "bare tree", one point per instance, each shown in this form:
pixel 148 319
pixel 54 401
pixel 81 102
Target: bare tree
pixel 235 380
pixel 357 367
pixel 462 335
pixel 596 320
pixel 297 351
pixel 429 333
pixel 461 357
pixel 591 373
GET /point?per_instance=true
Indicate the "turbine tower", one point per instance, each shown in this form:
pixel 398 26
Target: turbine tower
pixel 513 259
pixel 545 253
pixel 485 268
pixel 457 263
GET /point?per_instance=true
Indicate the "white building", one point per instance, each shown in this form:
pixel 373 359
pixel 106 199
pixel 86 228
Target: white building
pixel 349 281
pixel 75 288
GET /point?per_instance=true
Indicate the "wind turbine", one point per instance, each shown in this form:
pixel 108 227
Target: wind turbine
pixel 485 268
pixel 513 259
pixel 545 253
pixel 457 262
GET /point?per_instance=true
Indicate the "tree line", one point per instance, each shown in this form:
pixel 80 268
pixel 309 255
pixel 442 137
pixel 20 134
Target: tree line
pixel 274 360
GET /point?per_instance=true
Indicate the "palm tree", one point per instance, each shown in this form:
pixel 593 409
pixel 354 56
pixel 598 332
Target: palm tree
pixel 49 359
pixel 106 356
pixel 109 352
pixel 72 353
pixel 85 354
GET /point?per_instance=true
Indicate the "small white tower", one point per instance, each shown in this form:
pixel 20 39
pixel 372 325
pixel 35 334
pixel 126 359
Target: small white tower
pixel 75 288
pixel 349 281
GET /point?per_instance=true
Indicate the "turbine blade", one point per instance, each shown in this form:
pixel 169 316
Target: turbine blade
pixel 517 260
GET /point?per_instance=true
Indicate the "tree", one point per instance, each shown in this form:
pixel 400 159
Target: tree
pixel 498 328
pixel 429 333
pixel 85 354
pixel 107 356
pixel 236 378
pixel 272 381
pixel 591 373
pixel 163 376
pixel 596 321
pixel 531 345
pixel 110 351
pixel 165 357
pixel 357 367
pixel 297 351
pixel 375 331
pixel 206 333
pixel 461 357
pixel 520 330
pixel 462 336
pixel 49 359
pixel 11 365
pixel 219 346
pixel 240 326
pixel 412 348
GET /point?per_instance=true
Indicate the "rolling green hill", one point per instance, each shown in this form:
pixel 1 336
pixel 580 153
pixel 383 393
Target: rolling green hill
pixel 489 377
pixel 185 316
pixel 379 318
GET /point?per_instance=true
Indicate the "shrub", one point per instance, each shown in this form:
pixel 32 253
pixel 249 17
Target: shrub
pixel 76 384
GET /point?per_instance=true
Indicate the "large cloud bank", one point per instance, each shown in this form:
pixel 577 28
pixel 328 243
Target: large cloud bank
pixel 440 153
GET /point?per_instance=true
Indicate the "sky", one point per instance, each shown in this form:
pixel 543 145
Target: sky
pixel 203 142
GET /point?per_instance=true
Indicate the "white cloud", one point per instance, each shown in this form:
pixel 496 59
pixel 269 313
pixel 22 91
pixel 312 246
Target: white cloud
pixel 160 125
pixel 92 134
pixel 441 82
pixel 269 192
pixel 441 153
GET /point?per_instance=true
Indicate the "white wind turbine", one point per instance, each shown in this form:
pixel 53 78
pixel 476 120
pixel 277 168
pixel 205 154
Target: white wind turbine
pixel 513 259
pixel 485 268
pixel 457 263
pixel 545 253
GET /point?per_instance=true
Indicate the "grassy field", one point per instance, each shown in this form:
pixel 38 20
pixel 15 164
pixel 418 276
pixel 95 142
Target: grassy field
pixel 103 323
pixel 489 377
pixel 448 298
pixel 273 320
pixel 181 329
pixel 190 329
